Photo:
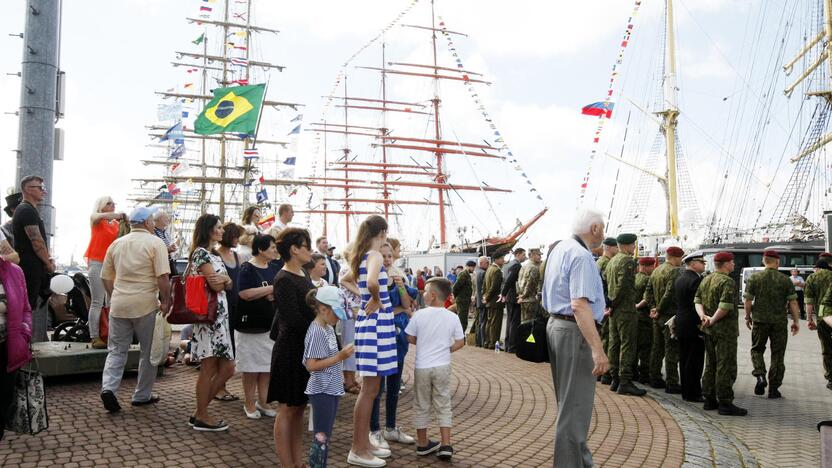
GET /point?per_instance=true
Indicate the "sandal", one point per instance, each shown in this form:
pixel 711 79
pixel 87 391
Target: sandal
pixel 227 397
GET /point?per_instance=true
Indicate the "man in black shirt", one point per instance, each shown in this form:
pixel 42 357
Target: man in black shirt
pixel 30 238
pixel 509 296
pixel 687 321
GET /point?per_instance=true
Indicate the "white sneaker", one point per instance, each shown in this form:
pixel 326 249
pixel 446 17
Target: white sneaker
pixel 253 415
pixel 265 411
pixel 396 435
pixel 378 440
pixel 374 462
pixel 381 453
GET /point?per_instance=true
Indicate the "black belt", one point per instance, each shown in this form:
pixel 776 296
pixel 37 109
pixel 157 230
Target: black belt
pixel 570 318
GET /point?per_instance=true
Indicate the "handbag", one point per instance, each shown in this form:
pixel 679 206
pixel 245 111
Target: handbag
pixel 27 412
pixel 202 298
pixel 531 341
pixel 254 316
pixel 161 341
pixel 104 324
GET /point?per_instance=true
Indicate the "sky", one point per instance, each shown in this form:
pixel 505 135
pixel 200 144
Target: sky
pixel 545 61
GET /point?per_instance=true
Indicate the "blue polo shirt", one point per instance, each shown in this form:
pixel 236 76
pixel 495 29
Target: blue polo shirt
pixel 571 273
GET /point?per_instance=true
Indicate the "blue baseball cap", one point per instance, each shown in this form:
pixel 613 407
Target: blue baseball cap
pixel 331 296
pixel 141 214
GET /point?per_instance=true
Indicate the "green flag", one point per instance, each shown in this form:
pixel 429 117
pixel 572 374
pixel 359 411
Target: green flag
pixel 232 110
pixel 199 40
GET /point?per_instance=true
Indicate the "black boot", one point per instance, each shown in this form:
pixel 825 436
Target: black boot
pixel 774 393
pixel 673 389
pixel 629 389
pixel 710 404
pixel 760 388
pixel 614 384
pixel 659 383
pixel 606 379
pixel 731 410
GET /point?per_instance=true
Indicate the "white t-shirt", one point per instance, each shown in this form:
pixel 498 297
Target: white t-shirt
pixel 435 329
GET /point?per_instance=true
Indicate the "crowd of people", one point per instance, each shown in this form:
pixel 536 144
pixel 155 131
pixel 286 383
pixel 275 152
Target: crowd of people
pixel 303 329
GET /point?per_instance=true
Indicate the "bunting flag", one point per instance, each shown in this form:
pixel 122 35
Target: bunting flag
pixel 290 161
pixel 266 221
pixel 251 153
pixel 262 179
pixel 178 168
pixel 607 104
pixel 598 109
pixel 188 85
pixel 173 133
pixel 241 82
pixel 298 118
pixel 177 151
pixel 239 61
pixel 192 70
pixel 173 189
pixel 295 131
pixel 498 137
pixel 199 40
pixel 184 114
pixel 262 196
pixel 206 9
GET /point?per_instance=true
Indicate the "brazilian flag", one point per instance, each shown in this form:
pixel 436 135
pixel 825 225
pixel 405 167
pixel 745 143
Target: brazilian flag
pixel 233 109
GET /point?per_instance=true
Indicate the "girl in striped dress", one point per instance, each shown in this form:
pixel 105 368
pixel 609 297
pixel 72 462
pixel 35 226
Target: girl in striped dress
pixel 375 335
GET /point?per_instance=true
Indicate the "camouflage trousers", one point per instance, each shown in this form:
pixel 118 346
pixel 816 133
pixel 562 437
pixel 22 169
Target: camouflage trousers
pixel 665 349
pixel 825 337
pixel 778 335
pixel 530 311
pixel 622 344
pixel 641 368
pixel 720 368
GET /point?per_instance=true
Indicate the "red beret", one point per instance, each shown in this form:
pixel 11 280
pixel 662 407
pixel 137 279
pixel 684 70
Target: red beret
pixel 674 251
pixel 771 253
pixel 646 261
pixel 723 257
pixel 825 254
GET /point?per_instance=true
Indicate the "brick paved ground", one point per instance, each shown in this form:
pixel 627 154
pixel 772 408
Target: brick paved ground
pixel 504 413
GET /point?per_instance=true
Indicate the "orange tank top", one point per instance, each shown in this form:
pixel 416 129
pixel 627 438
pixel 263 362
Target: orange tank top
pixel 103 234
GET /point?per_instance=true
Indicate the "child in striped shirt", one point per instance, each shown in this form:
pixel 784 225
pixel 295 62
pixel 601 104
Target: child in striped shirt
pixel 324 363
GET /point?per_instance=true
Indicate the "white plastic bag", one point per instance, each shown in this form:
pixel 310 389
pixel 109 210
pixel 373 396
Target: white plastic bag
pixel 161 341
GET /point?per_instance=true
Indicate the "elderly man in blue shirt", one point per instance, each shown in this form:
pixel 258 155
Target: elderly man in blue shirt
pixel 573 295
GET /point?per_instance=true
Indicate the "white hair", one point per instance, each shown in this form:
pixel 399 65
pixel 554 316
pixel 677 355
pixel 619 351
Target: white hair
pixel 101 203
pixel 585 219
pixel 159 214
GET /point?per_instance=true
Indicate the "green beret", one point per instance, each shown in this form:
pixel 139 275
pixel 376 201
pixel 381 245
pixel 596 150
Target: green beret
pixel 610 241
pixel 626 239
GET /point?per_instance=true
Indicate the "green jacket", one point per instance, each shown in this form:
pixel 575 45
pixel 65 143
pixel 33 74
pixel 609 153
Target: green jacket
pixel 491 285
pixel 602 263
pixel 642 279
pixel 717 291
pixel 621 279
pixel 463 288
pixel 659 292
pixel 528 283
pixel 771 291
pixel 816 291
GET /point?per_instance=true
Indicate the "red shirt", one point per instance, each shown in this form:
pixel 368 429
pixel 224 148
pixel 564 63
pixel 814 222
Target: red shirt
pixel 103 234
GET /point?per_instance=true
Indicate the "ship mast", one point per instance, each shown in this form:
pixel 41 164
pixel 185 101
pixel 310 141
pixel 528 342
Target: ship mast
pixel 440 177
pixel 669 122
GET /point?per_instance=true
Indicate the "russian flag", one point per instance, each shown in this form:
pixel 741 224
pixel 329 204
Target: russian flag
pixel 598 109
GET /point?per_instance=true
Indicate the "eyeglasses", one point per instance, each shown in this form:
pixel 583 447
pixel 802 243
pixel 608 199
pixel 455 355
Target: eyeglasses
pixel 42 188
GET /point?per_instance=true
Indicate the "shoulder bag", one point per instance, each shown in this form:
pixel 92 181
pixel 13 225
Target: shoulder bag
pixel 192 299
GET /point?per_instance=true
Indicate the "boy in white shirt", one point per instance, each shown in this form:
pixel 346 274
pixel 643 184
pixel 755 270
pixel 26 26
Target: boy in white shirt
pixel 436 332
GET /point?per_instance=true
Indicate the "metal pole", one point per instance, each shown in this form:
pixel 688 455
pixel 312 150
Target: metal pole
pixel 670 114
pixel 38 92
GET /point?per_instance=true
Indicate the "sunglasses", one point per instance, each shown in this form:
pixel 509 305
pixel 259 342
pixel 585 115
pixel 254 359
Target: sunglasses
pixel 42 188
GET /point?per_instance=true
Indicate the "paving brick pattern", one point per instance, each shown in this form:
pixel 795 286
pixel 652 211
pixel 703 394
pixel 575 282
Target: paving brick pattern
pixel 504 413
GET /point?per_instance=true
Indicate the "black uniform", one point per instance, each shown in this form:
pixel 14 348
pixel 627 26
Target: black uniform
pixel 509 291
pixel 691 339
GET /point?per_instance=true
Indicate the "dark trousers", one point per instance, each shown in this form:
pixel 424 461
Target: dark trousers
pixel 6 387
pixel 512 322
pixel 825 337
pixel 324 410
pixel 462 312
pixel 802 304
pixel 34 273
pixel 691 363
pixel 394 384
pixel 482 319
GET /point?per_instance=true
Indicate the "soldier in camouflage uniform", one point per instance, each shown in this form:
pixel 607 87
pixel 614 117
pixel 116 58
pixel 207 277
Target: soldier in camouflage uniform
pixel 715 303
pixel 770 292
pixel 463 290
pixel 621 277
pixel 662 300
pixel 490 297
pixel 610 246
pixel 641 368
pixel 528 288
pixel 818 285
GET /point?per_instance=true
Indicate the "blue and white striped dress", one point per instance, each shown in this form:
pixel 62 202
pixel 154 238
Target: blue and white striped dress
pixel 375 335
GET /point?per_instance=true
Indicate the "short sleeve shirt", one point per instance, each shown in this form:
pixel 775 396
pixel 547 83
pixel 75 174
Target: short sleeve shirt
pixel 770 290
pixel 320 343
pixel 26 215
pixel 435 329
pixel 716 291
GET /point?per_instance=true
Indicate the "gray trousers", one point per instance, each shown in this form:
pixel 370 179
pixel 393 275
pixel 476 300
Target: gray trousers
pixel 99 296
pixel 571 361
pixel 121 335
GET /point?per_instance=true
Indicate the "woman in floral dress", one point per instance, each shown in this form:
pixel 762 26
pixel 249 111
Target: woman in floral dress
pixel 211 344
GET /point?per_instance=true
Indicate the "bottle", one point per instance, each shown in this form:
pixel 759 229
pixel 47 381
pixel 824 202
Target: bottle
pixel 497 347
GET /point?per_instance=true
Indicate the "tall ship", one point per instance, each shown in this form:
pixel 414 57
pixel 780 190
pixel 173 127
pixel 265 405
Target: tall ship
pixel 246 151
pixel 405 133
pixel 764 183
